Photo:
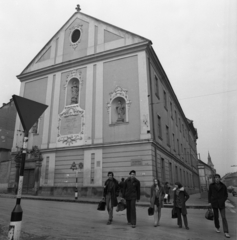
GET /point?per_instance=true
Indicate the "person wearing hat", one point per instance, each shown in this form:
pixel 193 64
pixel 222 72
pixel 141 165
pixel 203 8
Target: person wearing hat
pixel 131 193
pixel 217 195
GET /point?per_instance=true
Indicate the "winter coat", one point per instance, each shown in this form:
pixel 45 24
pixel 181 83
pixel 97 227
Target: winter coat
pixel 217 197
pixel 183 195
pixel 114 193
pixel 167 189
pixel 153 196
pixel 131 189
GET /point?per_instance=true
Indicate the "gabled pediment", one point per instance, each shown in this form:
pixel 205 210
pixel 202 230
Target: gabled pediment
pixel 81 36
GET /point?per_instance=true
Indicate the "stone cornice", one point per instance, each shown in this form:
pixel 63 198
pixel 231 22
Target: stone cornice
pixel 102 56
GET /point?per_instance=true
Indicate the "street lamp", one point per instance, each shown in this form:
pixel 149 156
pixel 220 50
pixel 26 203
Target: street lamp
pixel 74 167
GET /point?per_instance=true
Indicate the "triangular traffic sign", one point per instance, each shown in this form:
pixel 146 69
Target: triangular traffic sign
pixel 29 111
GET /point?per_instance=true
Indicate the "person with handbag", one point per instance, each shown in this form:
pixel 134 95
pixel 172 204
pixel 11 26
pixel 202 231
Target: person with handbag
pixel 111 192
pixel 131 193
pixel 217 195
pixel 156 200
pixel 167 193
pixel 180 197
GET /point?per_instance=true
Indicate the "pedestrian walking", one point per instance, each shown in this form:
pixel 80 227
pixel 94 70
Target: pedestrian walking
pixel 217 195
pixel 131 193
pixel 157 196
pixel 180 197
pixel 121 186
pixel 167 193
pixel 111 192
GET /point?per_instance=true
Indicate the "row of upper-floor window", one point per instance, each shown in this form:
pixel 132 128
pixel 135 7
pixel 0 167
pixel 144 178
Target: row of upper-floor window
pixel 173 113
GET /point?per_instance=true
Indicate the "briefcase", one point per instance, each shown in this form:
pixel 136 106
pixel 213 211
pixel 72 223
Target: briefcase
pixel 174 214
pixel 101 206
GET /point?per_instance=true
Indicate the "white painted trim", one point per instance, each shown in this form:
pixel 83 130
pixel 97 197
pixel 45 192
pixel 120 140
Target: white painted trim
pixel 143 95
pixel 53 127
pixel 89 102
pixel 47 112
pixel 99 104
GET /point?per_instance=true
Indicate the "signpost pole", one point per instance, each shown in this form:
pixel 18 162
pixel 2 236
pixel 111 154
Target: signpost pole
pixel 16 215
pixel 29 111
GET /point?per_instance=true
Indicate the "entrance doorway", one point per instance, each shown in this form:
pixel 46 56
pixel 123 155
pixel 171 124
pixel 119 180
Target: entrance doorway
pixel 28 180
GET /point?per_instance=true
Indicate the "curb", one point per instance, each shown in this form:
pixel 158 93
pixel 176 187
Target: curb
pixel 96 201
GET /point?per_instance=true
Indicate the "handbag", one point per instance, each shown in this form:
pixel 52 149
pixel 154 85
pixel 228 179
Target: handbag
pixel 209 214
pixel 150 211
pixel 121 206
pixel 174 214
pixel 166 196
pixel 101 206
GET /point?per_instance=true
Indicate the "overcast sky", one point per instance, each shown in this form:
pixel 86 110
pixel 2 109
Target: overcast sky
pixel 195 41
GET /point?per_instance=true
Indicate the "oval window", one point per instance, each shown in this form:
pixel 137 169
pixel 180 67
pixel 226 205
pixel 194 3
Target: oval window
pixel 75 35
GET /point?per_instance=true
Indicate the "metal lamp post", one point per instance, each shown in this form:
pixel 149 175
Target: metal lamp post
pixel 74 167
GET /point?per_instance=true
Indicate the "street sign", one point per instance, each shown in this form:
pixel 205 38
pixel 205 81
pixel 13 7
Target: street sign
pixel 29 111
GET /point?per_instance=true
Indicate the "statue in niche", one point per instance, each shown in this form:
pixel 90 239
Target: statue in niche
pixel 75 92
pixel 120 111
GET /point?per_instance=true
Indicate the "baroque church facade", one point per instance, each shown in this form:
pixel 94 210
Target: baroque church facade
pixel 111 107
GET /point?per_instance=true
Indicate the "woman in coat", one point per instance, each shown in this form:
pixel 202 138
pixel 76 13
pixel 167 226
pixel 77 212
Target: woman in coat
pixel 157 197
pixel 180 197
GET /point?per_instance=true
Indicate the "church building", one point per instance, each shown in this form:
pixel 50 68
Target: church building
pixel 111 107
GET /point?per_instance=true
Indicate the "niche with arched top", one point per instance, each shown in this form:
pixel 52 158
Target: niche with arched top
pixel 118 110
pixel 73 92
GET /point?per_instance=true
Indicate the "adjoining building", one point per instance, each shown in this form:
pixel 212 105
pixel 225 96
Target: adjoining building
pixel 7 125
pixel 111 108
pixel 206 175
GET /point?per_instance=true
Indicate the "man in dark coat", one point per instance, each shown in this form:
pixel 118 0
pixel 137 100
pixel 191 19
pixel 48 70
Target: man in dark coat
pixel 111 192
pixel 131 192
pixel 217 195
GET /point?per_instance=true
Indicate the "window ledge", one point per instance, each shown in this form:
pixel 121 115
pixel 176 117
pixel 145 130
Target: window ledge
pixel 157 96
pixel 118 123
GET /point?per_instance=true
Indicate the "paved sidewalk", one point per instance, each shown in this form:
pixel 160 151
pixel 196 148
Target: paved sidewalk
pixel 193 202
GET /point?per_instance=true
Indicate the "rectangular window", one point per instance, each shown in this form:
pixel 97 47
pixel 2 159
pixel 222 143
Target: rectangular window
pixel 179 125
pixel 173 141
pixel 183 130
pixel 171 174
pixel 178 146
pixel 185 158
pixel 187 179
pixel 167 136
pixel 184 178
pixel 181 150
pixel 181 179
pixel 171 109
pixel 92 167
pixel 163 170
pixel 176 174
pixel 159 127
pixel 176 119
pixel 157 86
pixel 46 171
pixel 165 100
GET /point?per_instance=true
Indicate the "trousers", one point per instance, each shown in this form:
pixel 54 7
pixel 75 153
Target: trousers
pixel 216 219
pixel 179 210
pixel 109 206
pixel 131 211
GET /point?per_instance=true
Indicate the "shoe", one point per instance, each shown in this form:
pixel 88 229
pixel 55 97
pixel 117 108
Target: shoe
pixel 187 228
pixel 109 222
pixel 155 225
pixel 180 226
pixel 133 226
pixel 227 235
pixel 218 230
